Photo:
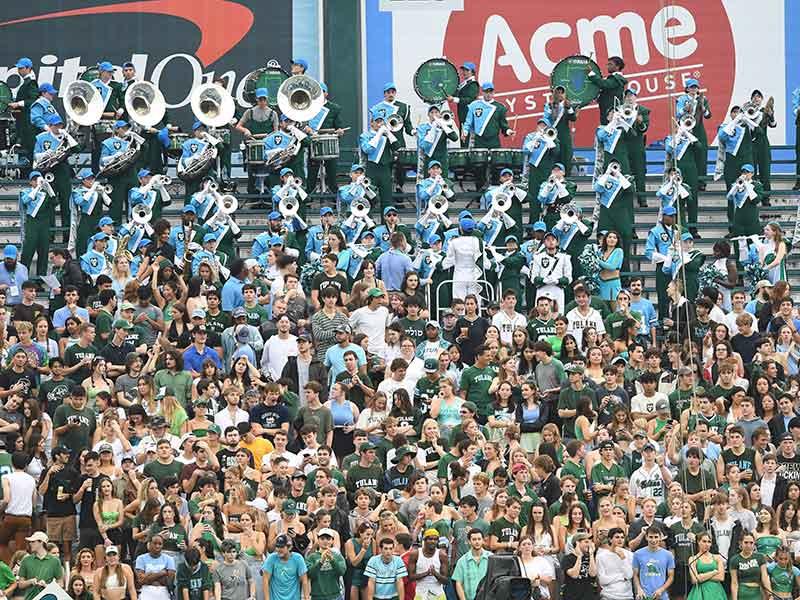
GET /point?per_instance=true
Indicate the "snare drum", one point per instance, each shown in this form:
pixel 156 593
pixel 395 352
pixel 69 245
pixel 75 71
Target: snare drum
pixel 407 158
pixel 102 130
pixel 254 153
pixel 176 141
pixel 458 158
pixel 478 157
pixel 503 158
pixel 325 147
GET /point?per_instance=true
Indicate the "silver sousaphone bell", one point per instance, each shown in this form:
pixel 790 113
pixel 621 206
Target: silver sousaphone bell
pixel 300 98
pixel 145 103
pixel 82 103
pixel 141 215
pixel 212 105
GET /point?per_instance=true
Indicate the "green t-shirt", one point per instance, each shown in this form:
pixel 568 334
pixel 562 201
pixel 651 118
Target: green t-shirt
pixel 256 315
pixel 358 477
pixel 606 475
pixel 504 530
pixel 444 464
pixel 76 438
pixel 324 575
pixel 195 581
pixel 461 529
pixel 568 400
pixel 180 382
pixel 680 542
pixel 578 471
pixel 75 354
pixel 159 471
pixel 46 569
pixel 413 329
pixel 679 400
pixel 321 417
pixel 613 323
pixel 102 323
pixel 355 394
pixel 219 322
pixel 475 383
pixel 173 536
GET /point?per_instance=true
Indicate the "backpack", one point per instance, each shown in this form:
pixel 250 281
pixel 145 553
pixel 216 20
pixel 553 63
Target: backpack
pixel 504 581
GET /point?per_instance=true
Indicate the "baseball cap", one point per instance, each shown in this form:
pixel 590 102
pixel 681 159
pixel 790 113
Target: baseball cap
pixel 158 421
pixel 243 335
pixel 470 406
pixel 189 209
pixel 239 312
pixel 325 210
pixel 468 65
pixel 299 475
pixel 289 507
pixel 579 537
pixel 649 446
pixel 573 368
pixel 517 468
pixel 639 433
pixel 396 496
pixel 112 550
pixel 122 324
pixel 670 211
pixel 374 293
pixel 38 536
pixel 127 306
pixel 262 93
pixel 326 531
pixel 282 541
pixel 389 85
pixel 486 86
pixel 198 313
pixel 431 365
pixel 274 216
pixel 539 226
pixel 24 62
pixel 105 221
pixel 10 251
pixel 105 448
pixel 606 445
pixel 342 329
pixel 305 337
pixel 366 446
pixel 764 283
pixel 662 405
pixel 403 451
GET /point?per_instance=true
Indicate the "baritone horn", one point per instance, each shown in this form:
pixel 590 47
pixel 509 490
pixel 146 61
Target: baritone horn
pixel 145 103
pixel 82 103
pixel 300 98
pixel 212 105
pixel 394 123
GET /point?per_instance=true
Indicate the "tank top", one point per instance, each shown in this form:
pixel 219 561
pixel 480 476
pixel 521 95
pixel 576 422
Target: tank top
pixel 342 414
pixel 449 413
pixel 721 265
pixel 22 486
pixel 428 584
pixel 530 415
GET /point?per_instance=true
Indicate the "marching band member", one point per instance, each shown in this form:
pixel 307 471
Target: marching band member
pixel 113 103
pixel 191 148
pixel 299 66
pixel 491 226
pixel 737 142
pixel 347 193
pixel 365 249
pixel 390 105
pixel 695 104
pixel 486 119
pixel 744 197
pixel 762 151
pixel 259 119
pixel 428 265
pixel 553 193
pixel 225 230
pixel 122 182
pixel 223 133
pixel 466 93
pixel 328 118
pixel 551 270
pixel 679 146
pixel 635 141
pixel 391 224
pixel 509 265
pixel 573 235
pixel 275 228
pixel 455 231
pixel 128 79
pixel 96 261
pixel 661 241
pixel 208 255
pixel 378 145
pixel 87 208
pixel 156 138
pixel 204 201
pixel 465 254
pixel 27 93
pixel 149 192
pixel 615 196
pixel 286 139
pixel 37 205
pixel 48 141
pixel 42 108
pixel 432 139
pixel 288 185
pixel 685 265
pixel 318 234
pixel 427 189
pixel 540 152
pixel 183 234
pixel 611 88
pixel 674 193
pixel 106 225
pixel 559 114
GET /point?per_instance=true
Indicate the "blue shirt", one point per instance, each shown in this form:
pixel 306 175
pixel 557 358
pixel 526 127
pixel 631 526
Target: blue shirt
pixel 391 267
pixel 653 568
pixel 193 360
pixel 151 564
pixel 60 316
pixel 232 294
pixel 649 317
pixel 385 575
pixel 284 575
pixel 14 281
pixel 334 358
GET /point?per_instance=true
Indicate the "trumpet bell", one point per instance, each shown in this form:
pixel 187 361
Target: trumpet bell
pixel 82 103
pixel 288 207
pixel 360 208
pixel 212 105
pixel 300 98
pixel 394 123
pixel 228 204
pixel 145 103
pixel 447 116
pixel 438 205
pixel 141 214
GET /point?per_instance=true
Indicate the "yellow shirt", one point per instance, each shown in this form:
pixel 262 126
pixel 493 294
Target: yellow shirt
pixel 258 448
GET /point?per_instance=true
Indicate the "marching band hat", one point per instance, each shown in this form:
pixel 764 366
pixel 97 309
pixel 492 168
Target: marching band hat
pixel 189 209
pixel 105 66
pixel 286 171
pixel 506 172
pixel 559 165
pixel 434 163
pixel 389 209
pixel 464 214
pixel 99 236
pixel 466 224
pixel 143 173
pixel 669 211
pixel 300 61
pixel 433 107
pixel 434 238
pixel 748 167
pixel 197 125
pixel 35 174
pixel 355 168
pixel 366 233
pixel 127 65
pixel 632 91
pixel 325 210
pixel 144 242
pixel 209 237
pixel 548 233
pixel 274 216
pixel 692 83
pixel 276 240
pixel 376 115
pixel 324 87
pixel 389 85
pixel 163 137
pixel 487 85
pixel 105 221
pixel 539 226
pixel 10 251
pixel 284 118
pixel 262 93
pixel 686 236
pixel 510 238
pixel 121 123
pixel 468 65
pixel 47 88
pixel 24 62
pixel 53 120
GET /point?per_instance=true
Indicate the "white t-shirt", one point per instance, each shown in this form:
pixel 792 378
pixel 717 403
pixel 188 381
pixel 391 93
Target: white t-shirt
pixel 507 324
pixel 276 352
pixel 646 404
pixel 224 420
pixel 577 322
pixel 371 323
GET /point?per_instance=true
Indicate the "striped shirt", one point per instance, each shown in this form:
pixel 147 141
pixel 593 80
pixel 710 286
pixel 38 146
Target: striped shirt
pixel 385 575
pixel 323 330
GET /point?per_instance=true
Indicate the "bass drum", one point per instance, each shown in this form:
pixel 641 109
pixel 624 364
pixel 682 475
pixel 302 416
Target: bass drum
pixel 6 97
pixel 435 80
pixel 90 74
pixel 270 77
pixel 571 73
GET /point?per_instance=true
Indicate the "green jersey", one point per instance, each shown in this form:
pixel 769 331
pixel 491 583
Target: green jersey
pixel 102 323
pixel 568 400
pixel 461 529
pixel 219 322
pixel 256 315
pixel 358 477
pixel 606 475
pixel 541 329
pixel 475 383
pixel 79 436
pixel 682 543
pixel 505 531
pixel 324 574
pixel 196 581
pixel 46 569
pixel 160 471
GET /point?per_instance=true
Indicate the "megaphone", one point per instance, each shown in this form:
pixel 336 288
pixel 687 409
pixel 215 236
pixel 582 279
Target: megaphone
pixel 145 103
pixel 212 105
pixel 82 103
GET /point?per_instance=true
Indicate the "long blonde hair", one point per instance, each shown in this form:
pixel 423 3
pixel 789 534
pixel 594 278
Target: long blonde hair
pixel 169 408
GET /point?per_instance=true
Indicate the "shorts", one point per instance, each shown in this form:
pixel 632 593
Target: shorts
pixel 62 529
pixel 91 538
pixel 682 584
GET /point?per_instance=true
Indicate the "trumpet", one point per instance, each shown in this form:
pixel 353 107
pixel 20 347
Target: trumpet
pixel 550 134
pixel 751 112
pixel 394 123
pixel 44 182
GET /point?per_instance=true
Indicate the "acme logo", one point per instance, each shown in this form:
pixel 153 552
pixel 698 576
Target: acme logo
pixel 222 23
